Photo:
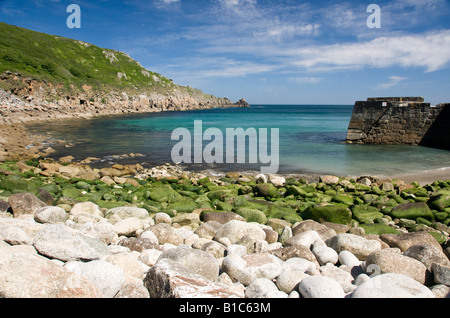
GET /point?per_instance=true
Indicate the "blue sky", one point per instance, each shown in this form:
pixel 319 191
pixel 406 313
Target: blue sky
pixel 269 52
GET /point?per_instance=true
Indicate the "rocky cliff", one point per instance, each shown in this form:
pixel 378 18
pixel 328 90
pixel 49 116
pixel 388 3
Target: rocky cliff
pixel 31 100
pixel 400 120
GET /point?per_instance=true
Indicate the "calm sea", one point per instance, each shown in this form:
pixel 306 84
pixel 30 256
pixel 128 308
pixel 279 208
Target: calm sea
pixel 311 140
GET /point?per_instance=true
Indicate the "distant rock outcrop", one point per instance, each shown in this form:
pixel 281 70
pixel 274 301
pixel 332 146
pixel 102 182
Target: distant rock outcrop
pixel 242 103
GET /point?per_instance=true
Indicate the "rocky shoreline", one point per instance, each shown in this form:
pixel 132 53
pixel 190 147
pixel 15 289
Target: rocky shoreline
pixel 16 111
pixel 70 231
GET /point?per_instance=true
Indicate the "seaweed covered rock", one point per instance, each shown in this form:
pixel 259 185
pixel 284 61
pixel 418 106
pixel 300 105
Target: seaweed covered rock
pixel 366 214
pixel 412 211
pixel 328 213
pixel 440 200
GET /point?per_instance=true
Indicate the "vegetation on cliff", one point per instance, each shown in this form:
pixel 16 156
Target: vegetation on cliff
pixel 71 66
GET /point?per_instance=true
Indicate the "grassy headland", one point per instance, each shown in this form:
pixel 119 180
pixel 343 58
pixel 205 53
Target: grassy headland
pixel 72 64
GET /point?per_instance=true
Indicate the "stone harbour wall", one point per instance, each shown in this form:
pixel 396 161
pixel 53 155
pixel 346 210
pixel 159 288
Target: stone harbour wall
pixel 400 120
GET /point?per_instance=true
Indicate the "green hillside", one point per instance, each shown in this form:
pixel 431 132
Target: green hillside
pixel 65 61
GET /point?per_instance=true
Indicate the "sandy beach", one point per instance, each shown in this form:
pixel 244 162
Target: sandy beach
pixel 426 177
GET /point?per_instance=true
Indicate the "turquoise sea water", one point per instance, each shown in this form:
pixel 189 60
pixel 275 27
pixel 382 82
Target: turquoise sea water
pixel 310 139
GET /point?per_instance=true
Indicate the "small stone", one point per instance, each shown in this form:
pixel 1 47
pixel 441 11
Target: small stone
pixel 128 263
pixel 329 179
pixel 392 285
pixel 299 264
pixel 187 219
pixel 260 178
pixel 309 225
pixel 24 203
pixel 166 234
pixel 441 274
pixel 103 231
pixel 325 254
pixel 127 212
pixel 235 230
pixel 138 244
pixel 215 249
pixel 285 234
pixel 169 279
pixel 357 245
pixel 107 277
pixel 427 254
pixel 391 262
pixel 128 227
pixel 234 266
pixel 263 265
pixel 15 236
pixel 4 206
pixel 288 252
pixel 60 242
pixel 133 288
pixel 149 235
pixel 162 217
pixel 222 217
pixel 66 159
pixel 50 214
pixel 320 287
pixel 45 197
pixel 196 261
pixel 306 239
pixel 236 249
pixel 277 181
pixel 440 291
pixel 150 256
pixel 344 278
pixel 406 240
pixel 208 229
pixel 348 259
pixel 287 281
pixel 259 288
pixel 28 275
pixel 86 207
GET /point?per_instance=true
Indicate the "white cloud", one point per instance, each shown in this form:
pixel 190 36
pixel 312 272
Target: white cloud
pixel 165 3
pixel 430 51
pixel 305 80
pixel 233 38
pixel 393 81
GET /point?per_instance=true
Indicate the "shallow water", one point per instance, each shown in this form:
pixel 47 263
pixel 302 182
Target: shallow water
pixel 311 139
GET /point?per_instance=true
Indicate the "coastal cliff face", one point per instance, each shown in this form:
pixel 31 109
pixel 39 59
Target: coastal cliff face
pixel 31 100
pixel 400 120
